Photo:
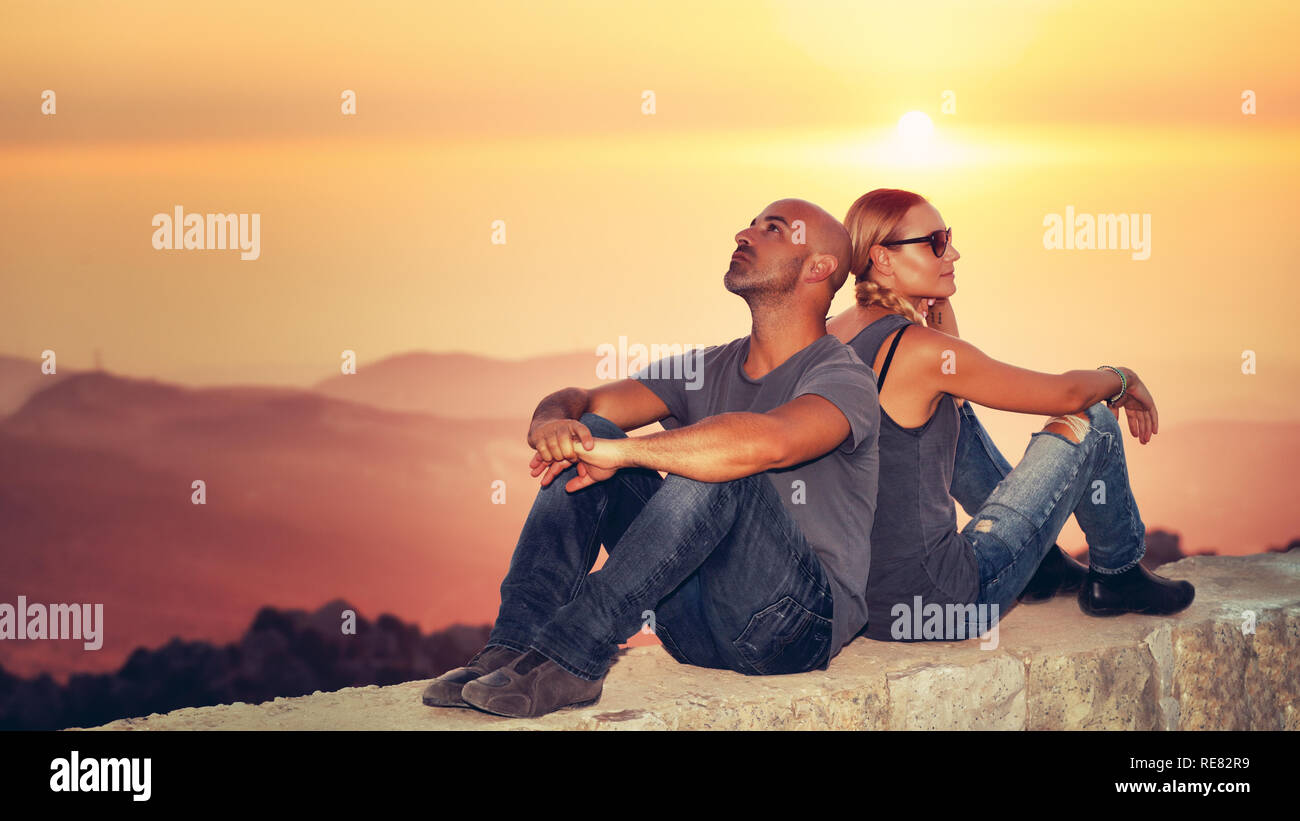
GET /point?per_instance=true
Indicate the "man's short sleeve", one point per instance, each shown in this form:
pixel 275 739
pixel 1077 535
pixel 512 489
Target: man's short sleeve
pixel 670 378
pixel 851 387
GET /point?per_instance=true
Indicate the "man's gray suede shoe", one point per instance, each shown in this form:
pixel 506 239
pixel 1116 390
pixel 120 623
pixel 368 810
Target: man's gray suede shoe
pixel 531 686
pixel 444 691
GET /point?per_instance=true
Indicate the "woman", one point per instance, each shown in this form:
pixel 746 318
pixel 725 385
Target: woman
pixel 902 258
pixel 979 467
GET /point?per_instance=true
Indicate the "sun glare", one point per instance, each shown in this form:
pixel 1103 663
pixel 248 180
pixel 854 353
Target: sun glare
pixel 915 127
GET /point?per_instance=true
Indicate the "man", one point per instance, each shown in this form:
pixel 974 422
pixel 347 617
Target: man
pixel 752 555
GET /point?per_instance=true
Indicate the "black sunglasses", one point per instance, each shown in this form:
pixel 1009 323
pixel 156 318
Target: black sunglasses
pixel 938 241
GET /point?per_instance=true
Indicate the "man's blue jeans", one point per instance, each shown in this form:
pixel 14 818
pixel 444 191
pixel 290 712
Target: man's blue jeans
pixel 721 568
pixel 1016 515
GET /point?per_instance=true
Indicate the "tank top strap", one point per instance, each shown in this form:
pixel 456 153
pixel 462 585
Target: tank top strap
pixel 889 357
pixel 868 341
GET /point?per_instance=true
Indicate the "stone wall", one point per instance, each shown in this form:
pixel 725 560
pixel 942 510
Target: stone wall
pixel 1053 669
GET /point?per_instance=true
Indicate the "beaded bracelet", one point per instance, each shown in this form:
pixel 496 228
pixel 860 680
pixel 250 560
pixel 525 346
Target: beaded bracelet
pixel 1123 385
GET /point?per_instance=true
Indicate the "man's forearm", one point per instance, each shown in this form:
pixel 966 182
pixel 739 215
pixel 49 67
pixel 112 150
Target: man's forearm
pixel 715 449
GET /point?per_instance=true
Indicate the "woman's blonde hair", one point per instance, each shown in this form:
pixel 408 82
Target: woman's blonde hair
pixel 874 219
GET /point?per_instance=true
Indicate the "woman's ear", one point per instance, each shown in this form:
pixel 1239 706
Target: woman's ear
pixel 880 259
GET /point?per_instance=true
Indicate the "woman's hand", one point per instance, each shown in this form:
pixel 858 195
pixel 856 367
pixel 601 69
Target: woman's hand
pixel 1140 407
pixel 939 315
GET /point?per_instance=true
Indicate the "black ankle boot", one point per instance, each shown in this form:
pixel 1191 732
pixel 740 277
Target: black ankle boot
pixel 1057 573
pixel 1136 590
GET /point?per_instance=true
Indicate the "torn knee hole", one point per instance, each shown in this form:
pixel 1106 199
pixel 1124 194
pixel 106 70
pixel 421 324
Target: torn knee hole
pixel 1073 427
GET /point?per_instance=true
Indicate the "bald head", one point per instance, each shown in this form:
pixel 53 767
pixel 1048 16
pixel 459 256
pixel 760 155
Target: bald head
pixel 825 235
pixel 792 247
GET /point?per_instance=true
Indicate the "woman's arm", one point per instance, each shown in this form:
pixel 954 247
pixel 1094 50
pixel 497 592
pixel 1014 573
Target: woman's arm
pixel 963 370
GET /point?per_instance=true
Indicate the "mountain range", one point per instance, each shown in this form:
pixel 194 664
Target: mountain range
pixel 283 653
pixel 380 487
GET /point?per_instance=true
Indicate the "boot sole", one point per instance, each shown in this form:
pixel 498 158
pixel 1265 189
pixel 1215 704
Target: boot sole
pixel 1108 613
pixel 576 705
pixel 1120 611
pixel 436 703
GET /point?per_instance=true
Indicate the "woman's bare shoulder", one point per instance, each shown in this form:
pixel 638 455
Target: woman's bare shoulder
pixel 922 341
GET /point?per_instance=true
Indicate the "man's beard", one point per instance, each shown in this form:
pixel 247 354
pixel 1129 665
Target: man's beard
pixel 764 287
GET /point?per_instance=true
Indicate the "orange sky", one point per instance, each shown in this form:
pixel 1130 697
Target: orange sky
pixel 376 228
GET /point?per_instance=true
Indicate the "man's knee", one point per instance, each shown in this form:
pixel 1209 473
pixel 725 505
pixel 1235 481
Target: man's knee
pixel 602 427
pixel 752 483
pixel 684 493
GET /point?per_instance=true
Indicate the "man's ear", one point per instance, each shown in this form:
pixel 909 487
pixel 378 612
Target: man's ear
pixel 823 266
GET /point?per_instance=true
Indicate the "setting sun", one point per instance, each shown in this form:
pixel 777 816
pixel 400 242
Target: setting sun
pixel 915 127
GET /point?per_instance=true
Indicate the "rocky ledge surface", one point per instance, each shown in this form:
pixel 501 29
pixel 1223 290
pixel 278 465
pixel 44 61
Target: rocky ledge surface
pixel 1231 661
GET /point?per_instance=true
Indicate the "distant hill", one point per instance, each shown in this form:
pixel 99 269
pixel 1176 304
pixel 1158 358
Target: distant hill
pixel 20 378
pixel 282 653
pixel 305 495
pixel 463 386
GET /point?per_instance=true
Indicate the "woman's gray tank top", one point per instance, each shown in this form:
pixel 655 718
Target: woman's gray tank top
pixel 916 549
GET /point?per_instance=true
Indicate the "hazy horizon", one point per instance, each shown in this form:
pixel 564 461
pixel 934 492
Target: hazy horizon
pixel 377 227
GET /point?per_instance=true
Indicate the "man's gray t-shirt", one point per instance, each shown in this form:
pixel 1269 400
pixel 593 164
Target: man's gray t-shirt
pixel 836 504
